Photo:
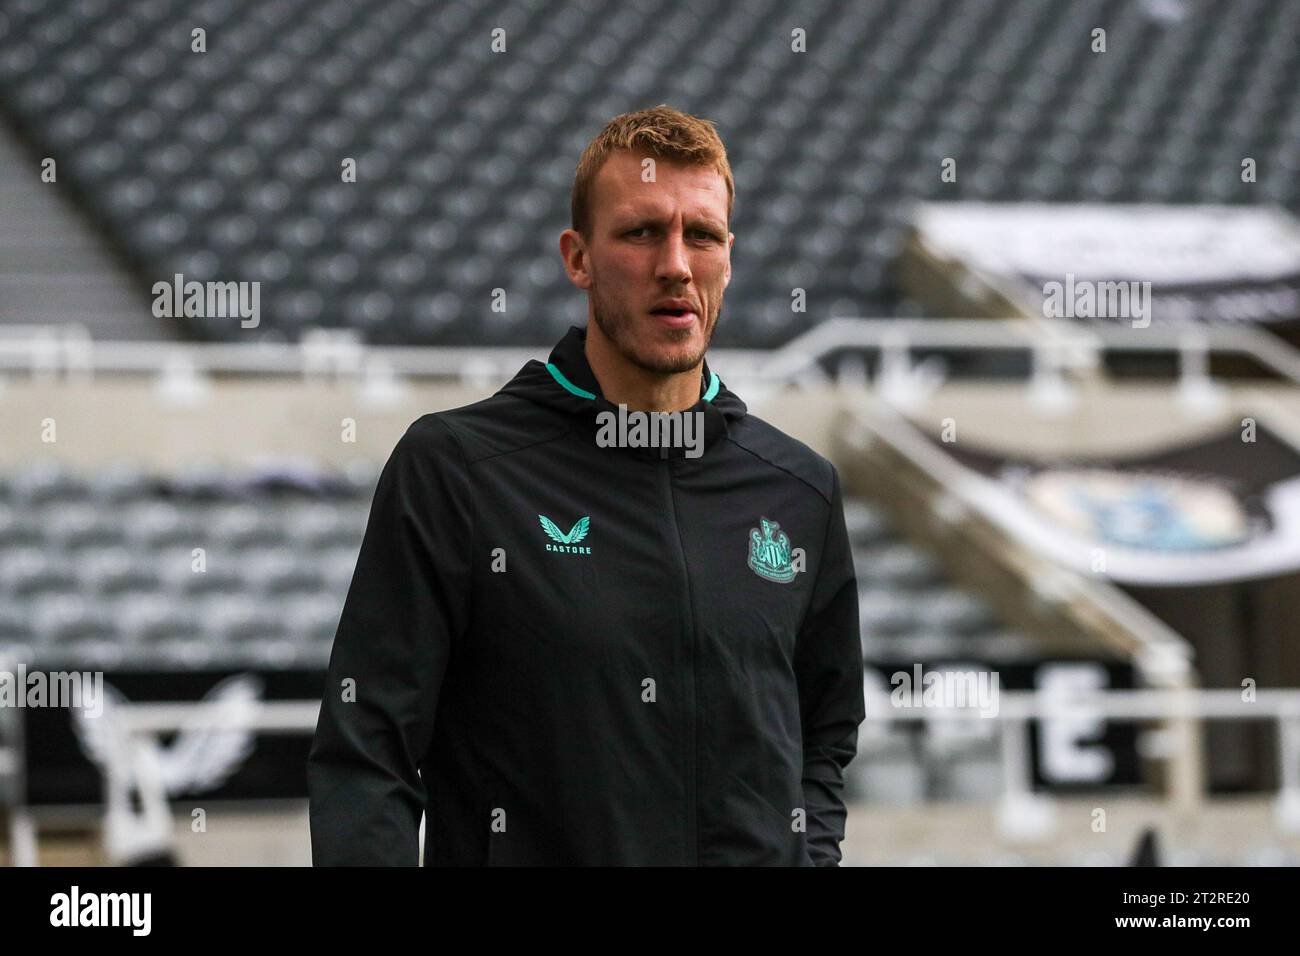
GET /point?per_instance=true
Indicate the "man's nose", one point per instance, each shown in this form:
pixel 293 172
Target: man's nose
pixel 673 264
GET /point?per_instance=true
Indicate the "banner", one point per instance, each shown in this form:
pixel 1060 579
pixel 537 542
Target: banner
pixel 1209 511
pixel 1234 264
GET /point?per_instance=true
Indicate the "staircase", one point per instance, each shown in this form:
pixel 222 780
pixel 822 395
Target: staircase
pixel 55 269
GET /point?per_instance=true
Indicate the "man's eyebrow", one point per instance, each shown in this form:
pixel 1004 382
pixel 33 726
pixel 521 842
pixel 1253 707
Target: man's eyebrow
pixel 629 217
pixel 708 222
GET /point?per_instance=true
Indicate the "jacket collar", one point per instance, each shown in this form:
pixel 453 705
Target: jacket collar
pixel 566 382
pixel 569 367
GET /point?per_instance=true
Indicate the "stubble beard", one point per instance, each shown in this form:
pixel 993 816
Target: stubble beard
pixel 617 324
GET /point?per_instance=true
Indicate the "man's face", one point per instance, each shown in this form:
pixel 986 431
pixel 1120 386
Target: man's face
pixel 657 260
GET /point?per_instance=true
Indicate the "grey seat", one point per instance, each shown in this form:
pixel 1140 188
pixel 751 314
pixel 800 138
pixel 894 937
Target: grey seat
pixel 78 526
pixel 19 527
pixel 313 618
pixel 215 571
pixel 64 618
pixel 231 618
pixel 110 572
pixel 242 525
pixel 122 482
pixel 279 571
pixel 46 481
pixel 151 619
pixel 157 525
pixel 320 525
pixel 31 571
pixel 17 640
pixel 337 567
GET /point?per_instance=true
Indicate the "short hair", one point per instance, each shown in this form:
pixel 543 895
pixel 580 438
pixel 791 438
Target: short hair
pixel 660 131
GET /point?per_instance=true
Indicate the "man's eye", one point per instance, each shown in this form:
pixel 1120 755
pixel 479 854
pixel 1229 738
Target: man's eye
pixel 697 233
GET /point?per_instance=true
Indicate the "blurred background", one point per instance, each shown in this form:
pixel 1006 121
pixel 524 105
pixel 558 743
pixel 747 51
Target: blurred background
pixel 1028 272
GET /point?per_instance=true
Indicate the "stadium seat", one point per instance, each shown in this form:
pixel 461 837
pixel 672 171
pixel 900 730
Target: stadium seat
pixel 226 165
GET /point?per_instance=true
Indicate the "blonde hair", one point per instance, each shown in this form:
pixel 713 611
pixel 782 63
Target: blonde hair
pixel 660 131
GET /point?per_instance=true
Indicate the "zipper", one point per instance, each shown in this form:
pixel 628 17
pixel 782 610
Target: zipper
pixel 692 813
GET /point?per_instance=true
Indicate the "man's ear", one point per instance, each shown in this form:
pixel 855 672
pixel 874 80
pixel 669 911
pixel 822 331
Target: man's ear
pixel 573 250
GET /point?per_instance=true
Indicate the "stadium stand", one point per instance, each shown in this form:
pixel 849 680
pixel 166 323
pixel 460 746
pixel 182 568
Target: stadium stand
pixel 231 170
pixel 96 568
pixel 96 549
pixel 226 164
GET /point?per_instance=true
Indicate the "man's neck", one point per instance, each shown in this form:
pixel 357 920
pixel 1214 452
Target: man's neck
pixel 623 383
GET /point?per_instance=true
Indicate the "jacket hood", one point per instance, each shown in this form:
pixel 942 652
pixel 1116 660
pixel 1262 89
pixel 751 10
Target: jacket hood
pixel 566 383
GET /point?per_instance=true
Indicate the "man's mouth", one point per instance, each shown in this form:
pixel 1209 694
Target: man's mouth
pixel 675 315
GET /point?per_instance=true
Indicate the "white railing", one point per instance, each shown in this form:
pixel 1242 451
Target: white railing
pixel 13 767
pixel 1053 345
pixel 53 351
pixel 1026 815
pixel 1023 814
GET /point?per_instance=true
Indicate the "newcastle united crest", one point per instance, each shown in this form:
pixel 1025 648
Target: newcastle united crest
pixel 769 553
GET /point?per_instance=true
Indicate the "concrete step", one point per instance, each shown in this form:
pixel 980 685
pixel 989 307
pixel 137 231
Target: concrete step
pixel 55 268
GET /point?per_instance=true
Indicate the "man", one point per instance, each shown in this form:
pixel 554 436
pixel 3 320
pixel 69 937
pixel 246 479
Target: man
pixel 569 645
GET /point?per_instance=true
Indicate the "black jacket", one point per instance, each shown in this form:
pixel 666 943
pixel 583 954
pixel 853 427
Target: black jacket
pixel 580 654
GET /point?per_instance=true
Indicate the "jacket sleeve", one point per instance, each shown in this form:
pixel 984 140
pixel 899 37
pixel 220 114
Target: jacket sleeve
pixel 828 668
pixel 408 598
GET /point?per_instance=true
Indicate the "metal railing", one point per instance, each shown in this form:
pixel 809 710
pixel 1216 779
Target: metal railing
pixel 1027 815
pixel 1023 814
pixel 57 350
pixel 13 781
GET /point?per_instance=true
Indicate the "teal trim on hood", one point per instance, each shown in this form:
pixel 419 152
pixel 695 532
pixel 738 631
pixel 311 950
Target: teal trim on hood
pixel 714 384
pixel 713 387
pixel 569 386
